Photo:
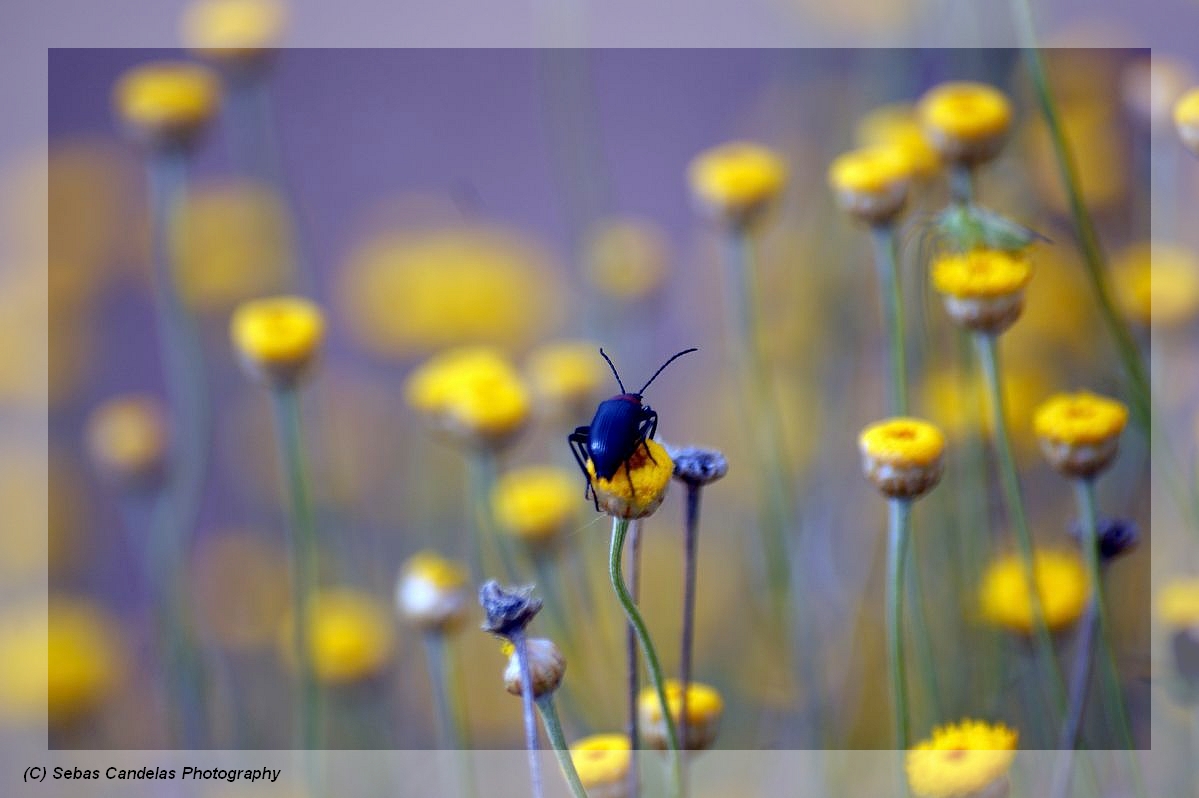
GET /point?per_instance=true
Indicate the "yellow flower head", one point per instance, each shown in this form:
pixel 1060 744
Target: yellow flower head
pixel 736 181
pixel 1157 283
pixel 350 636
pixel 961 760
pixel 277 337
pixel 1178 604
pixel 127 439
pixel 1061 582
pixel 1186 119
pixel 602 760
pixel 626 259
pixel 871 183
pixel 566 374
pixel 166 102
pixel 981 273
pixel 1079 433
pixel 473 394
pixel 535 504
pixel 638 486
pixel 432 591
pixel 704 710
pixel 233 31
pixel 903 457
pixel 897 127
pixel 967 122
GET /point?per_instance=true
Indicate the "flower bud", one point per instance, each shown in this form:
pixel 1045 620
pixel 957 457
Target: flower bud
pixel 602 762
pixel 983 289
pixel 967 123
pixel 871 184
pixel 737 183
pixel 903 457
pixel 546 668
pixel 277 338
pixel 1079 433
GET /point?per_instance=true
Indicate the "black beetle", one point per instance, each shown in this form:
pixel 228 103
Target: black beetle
pixel 621 424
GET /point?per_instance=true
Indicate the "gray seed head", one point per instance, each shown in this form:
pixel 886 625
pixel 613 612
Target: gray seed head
pixel 508 610
pixel 697 466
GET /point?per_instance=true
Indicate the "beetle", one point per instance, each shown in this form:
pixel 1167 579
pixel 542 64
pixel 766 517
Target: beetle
pixel 621 425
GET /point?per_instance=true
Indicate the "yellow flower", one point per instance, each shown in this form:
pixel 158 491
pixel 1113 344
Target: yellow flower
pixel 736 181
pixel 127 440
pixel 871 183
pixel 1186 119
pixel 1157 283
pixel 954 399
pixel 566 374
pixel 166 102
pixel 1079 433
pixel 1178 604
pixel 626 259
pixel 903 457
pixel 1061 582
pixel 638 487
pixel 432 592
pixel 412 293
pixel 277 337
pixel 983 289
pixel 602 762
pixel 233 31
pixel 704 710
pixel 350 636
pixel 472 394
pixel 536 504
pixel 962 760
pixel 897 126
pixel 966 122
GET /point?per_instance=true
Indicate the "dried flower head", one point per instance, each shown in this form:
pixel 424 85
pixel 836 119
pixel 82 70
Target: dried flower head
pixel 638 487
pixel 983 289
pixel 166 103
pixel 536 504
pixel 1079 433
pixel 970 759
pixel 966 122
pixel 737 182
pixel 602 762
pixel 277 338
pixel 546 668
pixel 871 183
pixel 697 466
pixel 472 395
pixel 350 636
pixel 1186 119
pixel 1061 583
pixel 431 592
pixel 903 457
pixel 508 610
pixel 235 34
pixel 704 710
pixel 127 440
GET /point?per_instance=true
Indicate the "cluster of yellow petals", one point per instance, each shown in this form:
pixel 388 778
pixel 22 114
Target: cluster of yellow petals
pixel 704 702
pixel 1157 283
pixel 737 178
pixel 278 336
pixel 638 486
pixel 966 110
pixel 566 373
pixel 602 759
pixel 1178 604
pixel 536 503
pixel 166 97
pixel 472 393
pixel 981 273
pixel 438 571
pixel 1080 418
pixel 1061 583
pixel 961 760
pixel 869 170
pixel 232 28
pixel 897 127
pixel 350 636
pixel 903 442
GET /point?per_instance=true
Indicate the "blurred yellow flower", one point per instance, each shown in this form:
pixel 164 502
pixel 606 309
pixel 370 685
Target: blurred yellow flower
pixel 240 586
pixel 736 181
pixel 1178 604
pixel 1157 283
pixel 413 293
pixel 536 504
pixel 1093 132
pixel 981 273
pixel 897 126
pixel 704 710
pixel 1061 582
pixel 954 400
pixel 1186 119
pixel 472 394
pixel 1079 433
pixel 277 337
pixel 350 635
pixel 602 762
pixel 962 760
pixel 127 440
pixel 232 241
pixel 966 122
pixel 1152 84
pixel 626 259
pixel 432 592
pixel 871 183
pixel 566 374
pixel 233 31
pixel 903 457
pixel 638 487
pixel 166 102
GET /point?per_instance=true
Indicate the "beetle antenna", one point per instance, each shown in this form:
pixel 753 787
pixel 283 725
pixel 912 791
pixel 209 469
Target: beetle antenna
pixel 612 366
pixel 673 358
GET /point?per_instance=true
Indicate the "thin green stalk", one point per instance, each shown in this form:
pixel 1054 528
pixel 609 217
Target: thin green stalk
pixel 303 555
pixel 1084 660
pixel 448 732
pixel 899 528
pixel 690 563
pixel 883 237
pixel 988 355
pixel 632 672
pixel 553 730
pixel 532 743
pixel 620 528
pixel 961 184
pixel 1084 226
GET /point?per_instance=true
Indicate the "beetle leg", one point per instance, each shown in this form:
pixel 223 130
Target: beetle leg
pixel 647 430
pixel 579 440
pixel 628 472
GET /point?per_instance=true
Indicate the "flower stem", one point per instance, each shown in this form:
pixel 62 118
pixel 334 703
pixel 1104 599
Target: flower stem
pixel 553 730
pixel 899 527
pixel 620 528
pixel 633 675
pixel 690 562
pixel 1084 226
pixel 883 237
pixel 482 475
pixel 961 184
pixel 988 355
pixel 303 556
pixel 1084 660
pixel 532 744
pixel 447 726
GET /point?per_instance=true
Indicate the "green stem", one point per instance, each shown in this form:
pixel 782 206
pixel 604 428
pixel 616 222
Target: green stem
pixel 553 730
pixel 447 725
pixel 961 184
pixel 899 517
pixel 532 744
pixel 988 355
pixel 303 555
pixel 1084 226
pixel 620 528
pixel 883 237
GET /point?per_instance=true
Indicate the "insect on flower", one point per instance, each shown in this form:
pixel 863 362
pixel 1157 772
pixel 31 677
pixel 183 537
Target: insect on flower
pixel 621 426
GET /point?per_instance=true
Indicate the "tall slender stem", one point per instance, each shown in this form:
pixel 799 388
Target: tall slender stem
pixel 633 676
pixel 1084 659
pixel 961 184
pixel 891 291
pixel 690 561
pixel 988 355
pixel 447 725
pixel 620 528
pixel 553 730
pixel 899 516
pixel 532 744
